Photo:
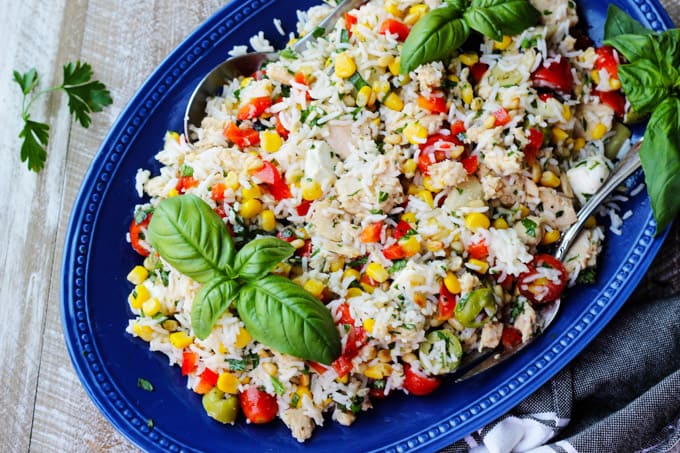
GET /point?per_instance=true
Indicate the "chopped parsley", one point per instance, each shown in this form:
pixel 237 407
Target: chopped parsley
pixel 144 384
pixel 278 386
pixel 288 54
pixel 397 266
pixel 530 226
pixel 383 196
pixel 248 361
pixel 186 170
pixel 587 276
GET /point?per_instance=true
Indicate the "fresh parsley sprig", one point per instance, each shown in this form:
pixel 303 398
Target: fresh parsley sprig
pixel 85 96
pixel 443 30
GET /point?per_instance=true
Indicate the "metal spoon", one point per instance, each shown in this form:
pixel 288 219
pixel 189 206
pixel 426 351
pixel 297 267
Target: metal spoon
pixel 477 362
pixel 248 64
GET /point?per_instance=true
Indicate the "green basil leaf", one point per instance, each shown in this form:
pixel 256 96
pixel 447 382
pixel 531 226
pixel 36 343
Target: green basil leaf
pixel 645 85
pixel 667 52
pixel 660 156
pixel 190 236
pixel 620 23
pixel 495 18
pixel 633 47
pixel 259 256
pixel 210 303
pixel 434 37
pixel 285 317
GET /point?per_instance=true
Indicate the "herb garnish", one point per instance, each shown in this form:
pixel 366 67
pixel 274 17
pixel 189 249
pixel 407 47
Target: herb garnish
pixel 85 96
pixel 443 30
pixel 277 312
pixel 651 81
pixel 144 384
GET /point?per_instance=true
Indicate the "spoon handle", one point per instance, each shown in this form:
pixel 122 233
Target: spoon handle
pixel 328 23
pixel 628 165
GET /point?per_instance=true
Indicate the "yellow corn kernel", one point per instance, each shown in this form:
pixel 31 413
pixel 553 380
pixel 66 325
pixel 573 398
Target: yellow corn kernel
pixel 468 59
pixel 476 220
pixel 378 371
pixel 344 379
pixel 353 292
pixel 228 383
pixel 351 274
pixel 523 211
pixel 311 190
pixel 599 131
pixel 434 246
pixel 550 179
pixel 369 324
pixel 137 275
pixel 270 141
pixel 298 243
pixel 452 284
pixel 314 287
pixel 453 78
pixel 415 13
pixel 345 66
pixel 231 181
pixel 268 220
pixel 172 193
pixel 381 88
pixel 243 338
pixel 467 94
pixel 337 264
pixel 500 224
pixel 426 196
pixel 395 67
pixel 413 189
pixel 429 185
pixel 250 208
pixel 415 133
pixel 410 246
pixel 536 172
pixel 246 81
pixel 245 380
pixel 489 122
pixel 270 368
pixel 302 392
pixel 385 61
pixel 364 96
pixel 170 325
pixel 566 112
pixel 409 217
pixel 579 143
pixel 550 237
pixel 251 192
pixel 409 167
pixel 151 307
pixel 140 295
pixel 614 84
pixel 180 339
pixel 377 272
pixel 392 8
pixel 479 266
pixel 282 269
pixel 393 102
pixel 143 332
pixel 504 44
pixel 558 135
pixel 591 222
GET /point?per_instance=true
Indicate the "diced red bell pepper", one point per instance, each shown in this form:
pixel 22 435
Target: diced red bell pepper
pixel 259 407
pixel 613 99
pixel 241 137
pixel 342 365
pixel 345 315
pixel 217 192
pixel 377 394
pixel 350 22
pixel 220 211
pixel 534 146
pixel 607 60
pixel 446 304
pixel 545 96
pixel 136 235
pixel 556 76
pixel 478 250
pixel 207 382
pixel 356 339
pixel 436 103
pixel 300 78
pixel 270 175
pixel 189 362
pixel 394 27
pixel 502 117
pixel 185 183
pixel 287 235
pixel 436 149
pixel 321 369
pixel 478 70
pixel 303 207
pixel 254 108
pixel 371 233
pixel 419 384
pixel 511 337
pixel 470 164
pixel 458 128
pixel 281 129
pixel 305 250
pixel 402 229
pixel 394 252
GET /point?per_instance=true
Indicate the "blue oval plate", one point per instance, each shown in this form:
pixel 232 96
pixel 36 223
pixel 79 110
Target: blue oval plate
pixel 94 310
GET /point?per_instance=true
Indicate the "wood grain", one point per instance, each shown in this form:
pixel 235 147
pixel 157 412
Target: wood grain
pixel 43 407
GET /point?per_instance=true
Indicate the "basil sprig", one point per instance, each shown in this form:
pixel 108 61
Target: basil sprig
pixel 276 312
pixel 443 30
pixel 651 81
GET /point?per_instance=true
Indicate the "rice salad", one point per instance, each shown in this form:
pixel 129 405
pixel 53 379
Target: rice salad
pixel 422 207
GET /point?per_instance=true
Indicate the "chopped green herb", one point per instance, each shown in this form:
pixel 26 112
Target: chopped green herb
pixel 278 386
pixel 530 226
pixel 382 197
pixel 186 170
pixel 144 384
pixel 288 54
pixel 318 32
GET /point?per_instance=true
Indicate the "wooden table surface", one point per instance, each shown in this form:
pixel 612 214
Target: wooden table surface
pixel 43 406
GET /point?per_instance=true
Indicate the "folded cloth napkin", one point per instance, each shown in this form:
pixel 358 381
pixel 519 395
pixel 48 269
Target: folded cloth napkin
pixel 621 394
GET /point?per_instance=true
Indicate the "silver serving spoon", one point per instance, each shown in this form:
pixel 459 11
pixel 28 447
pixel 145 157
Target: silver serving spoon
pixel 248 64
pixel 477 362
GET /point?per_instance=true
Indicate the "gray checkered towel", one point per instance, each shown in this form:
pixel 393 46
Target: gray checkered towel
pixel 621 394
